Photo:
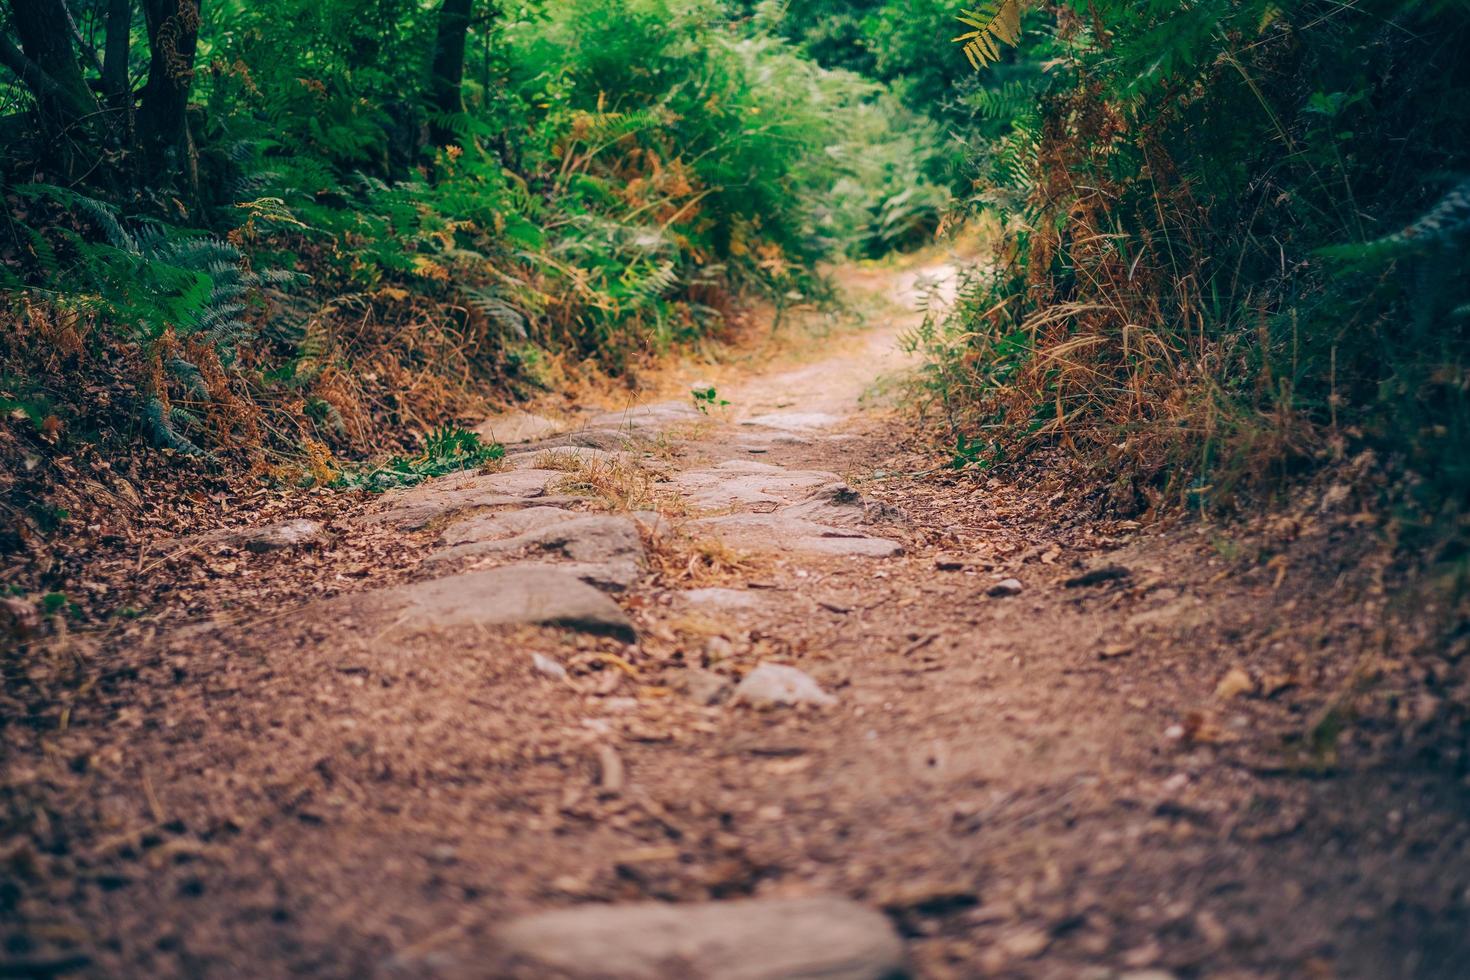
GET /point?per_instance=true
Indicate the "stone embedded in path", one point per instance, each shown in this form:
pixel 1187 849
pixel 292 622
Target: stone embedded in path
pixel 496 525
pixel 751 939
pixel 446 496
pixel 793 421
pixel 838 503
pixel 724 600
pixel 746 483
pixel 557 457
pixel 517 595
pixel 287 534
pixel 517 426
pixel 1005 587
pixel 647 420
pixel 607 551
pixel 774 685
pixel 781 532
pixel 297 533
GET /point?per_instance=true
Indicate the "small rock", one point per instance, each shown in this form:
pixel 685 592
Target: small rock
pixel 717 648
pixel 1026 943
pixel 1114 650
pixel 1142 956
pixel 704 686
pixel 1097 576
pixel 773 684
pixel 545 665
pixel 18 618
pixel 1235 683
pixel 610 774
pixel 1005 587
pixel 949 564
pixel 288 534
pixel 750 939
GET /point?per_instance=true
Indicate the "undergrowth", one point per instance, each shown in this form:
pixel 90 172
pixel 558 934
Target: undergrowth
pixel 447 449
pixel 321 278
pixel 1234 249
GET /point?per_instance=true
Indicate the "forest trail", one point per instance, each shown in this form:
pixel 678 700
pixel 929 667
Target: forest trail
pixel 850 723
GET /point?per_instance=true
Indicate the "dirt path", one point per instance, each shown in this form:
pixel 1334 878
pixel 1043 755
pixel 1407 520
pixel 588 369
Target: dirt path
pixel 947 726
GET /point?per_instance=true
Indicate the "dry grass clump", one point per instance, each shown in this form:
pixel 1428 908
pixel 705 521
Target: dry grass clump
pixel 680 559
pixel 620 484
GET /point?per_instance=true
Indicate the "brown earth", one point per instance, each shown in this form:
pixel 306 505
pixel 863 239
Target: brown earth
pixel 1062 744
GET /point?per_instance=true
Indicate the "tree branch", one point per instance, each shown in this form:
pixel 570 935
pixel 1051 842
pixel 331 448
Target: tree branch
pixel 29 72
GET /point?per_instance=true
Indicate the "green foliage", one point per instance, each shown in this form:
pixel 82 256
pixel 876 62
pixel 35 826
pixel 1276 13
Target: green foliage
pixel 446 449
pixel 1200 281
pixel 619 172
pixel 706 397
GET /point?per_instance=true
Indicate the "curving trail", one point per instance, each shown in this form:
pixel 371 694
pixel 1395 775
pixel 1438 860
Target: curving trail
pixel 849 723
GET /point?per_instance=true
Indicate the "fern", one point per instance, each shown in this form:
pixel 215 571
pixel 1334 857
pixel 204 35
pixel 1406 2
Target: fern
pixel 1005 101
pixel 497 311
pixel 994 23
pixel 1443 224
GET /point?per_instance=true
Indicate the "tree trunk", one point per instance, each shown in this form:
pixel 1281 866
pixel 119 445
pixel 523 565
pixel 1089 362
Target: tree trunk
pixel 173 36
pixel 115 53
pixel 47 63
pixel 446 76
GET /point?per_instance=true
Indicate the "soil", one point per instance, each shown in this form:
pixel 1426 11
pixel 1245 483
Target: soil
pixel 1063 744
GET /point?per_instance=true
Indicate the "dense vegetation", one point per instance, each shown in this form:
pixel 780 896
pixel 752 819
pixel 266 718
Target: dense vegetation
pixel 1235 245
pixel 1233 239
pixel 317 224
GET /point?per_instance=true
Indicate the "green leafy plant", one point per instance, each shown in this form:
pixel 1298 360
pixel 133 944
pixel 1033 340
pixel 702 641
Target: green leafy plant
pixel 706 398
pixel 447 449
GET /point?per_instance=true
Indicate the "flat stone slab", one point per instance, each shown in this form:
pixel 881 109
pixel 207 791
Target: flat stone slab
pixel 647 419
pixel 445 496
pixel 567 457
pixel 603 551
pixel 774 685
pixel 498 525
pixel 724 600
pixel 517 595
pixel 518 426
pixel 609 576
pixel 793 421
pixel 779 939
pixel 838 503
pixel 782 532
pixel 298 533
pixel 747 483
pixel 585 537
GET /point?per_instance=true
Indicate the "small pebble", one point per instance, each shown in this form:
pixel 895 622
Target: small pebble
pixel 1005 587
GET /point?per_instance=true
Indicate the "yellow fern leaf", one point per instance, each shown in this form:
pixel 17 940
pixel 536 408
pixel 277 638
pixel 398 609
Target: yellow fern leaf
pixel 994 23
